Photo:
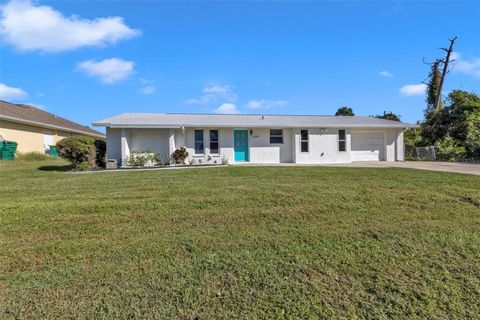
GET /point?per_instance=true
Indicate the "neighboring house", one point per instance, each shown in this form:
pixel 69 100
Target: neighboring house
pixel 256 138
pixel 34 129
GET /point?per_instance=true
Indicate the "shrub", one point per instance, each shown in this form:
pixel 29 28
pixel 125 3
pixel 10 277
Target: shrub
pixel 100 153
pixel 140 159
pixel 449 149
pixel 83 166
pixel 78 150
pixel 180 155
pixel 33 156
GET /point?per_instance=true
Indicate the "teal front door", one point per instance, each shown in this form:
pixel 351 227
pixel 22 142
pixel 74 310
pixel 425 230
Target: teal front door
pixel 240 142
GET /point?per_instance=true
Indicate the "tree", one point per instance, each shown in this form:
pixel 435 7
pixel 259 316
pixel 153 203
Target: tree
pixel 445 61
pixel 459 120
pixel 388 116
pixel 433 86
pixel 344 111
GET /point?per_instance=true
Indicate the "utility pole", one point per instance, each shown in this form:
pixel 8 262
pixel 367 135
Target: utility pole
pixel 444 73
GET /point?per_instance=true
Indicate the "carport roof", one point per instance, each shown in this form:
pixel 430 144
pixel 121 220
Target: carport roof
pixel 178 120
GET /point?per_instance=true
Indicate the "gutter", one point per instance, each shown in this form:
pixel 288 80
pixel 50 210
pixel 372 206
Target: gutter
pixel 153 126
pixel 51 126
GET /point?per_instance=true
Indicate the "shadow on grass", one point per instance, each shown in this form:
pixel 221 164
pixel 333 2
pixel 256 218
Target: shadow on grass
pixel 63 168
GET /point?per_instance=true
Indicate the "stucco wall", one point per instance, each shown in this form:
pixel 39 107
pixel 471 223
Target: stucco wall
pixel 114 150
pixel 323 147
pixel 29 138
pixel 262 151
pixel 400 144
pixel 390 145
pixel 225 141
pixel 156 140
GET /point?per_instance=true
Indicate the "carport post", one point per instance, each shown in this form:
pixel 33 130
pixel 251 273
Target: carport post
pixel 171 141
pixel 124 146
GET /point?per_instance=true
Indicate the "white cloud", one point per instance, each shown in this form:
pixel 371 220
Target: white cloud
pixel 265 104
pixel 466 66
pixel 203 99
pixel 386 74
pixel 148 90
pixel 11 93
pixel 413 89
pixel 227 108
pixel 455 56
pixel 108 70
pixel 215 92
pixel 34 27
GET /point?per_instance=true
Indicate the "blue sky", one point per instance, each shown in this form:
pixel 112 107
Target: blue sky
pixel 88 60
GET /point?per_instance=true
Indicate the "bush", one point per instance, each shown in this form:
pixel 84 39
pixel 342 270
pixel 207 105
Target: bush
pixel 100 153
pixel 79 150
pixel 140 159
pixel 33 156
pixel 180 155
pixel 449 149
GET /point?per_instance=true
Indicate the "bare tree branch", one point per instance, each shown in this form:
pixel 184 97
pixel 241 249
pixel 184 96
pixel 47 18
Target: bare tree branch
pixel 449 51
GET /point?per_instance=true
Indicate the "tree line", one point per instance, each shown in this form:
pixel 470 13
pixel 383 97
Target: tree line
pixel 451 125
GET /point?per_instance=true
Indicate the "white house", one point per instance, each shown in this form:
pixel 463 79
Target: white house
pixel 256 138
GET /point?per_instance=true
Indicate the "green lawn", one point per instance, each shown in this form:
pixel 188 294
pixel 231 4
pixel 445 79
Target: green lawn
pixel 238 242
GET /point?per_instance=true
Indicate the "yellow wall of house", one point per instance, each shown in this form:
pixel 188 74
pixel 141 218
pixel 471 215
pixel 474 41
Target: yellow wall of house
pixel 29 138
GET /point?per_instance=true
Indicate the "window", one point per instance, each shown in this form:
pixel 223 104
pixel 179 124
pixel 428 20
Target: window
pixel 198 141
pixel 276 136
pixel 214 141
pixel 342 140
pixel 304 140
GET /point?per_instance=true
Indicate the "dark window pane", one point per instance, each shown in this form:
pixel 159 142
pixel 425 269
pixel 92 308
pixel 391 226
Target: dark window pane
pixel 198 147
pixel 198 141
pixel 213 141
pixel 213 147
pixel 276 136
pixel 276 132
pixel 304 134
pixel 276 139
pixel 213 135
pixel 341 146
pixel 198 135
pixel 304 147
pixel 341 134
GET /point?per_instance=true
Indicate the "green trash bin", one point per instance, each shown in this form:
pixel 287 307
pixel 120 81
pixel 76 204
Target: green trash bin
pixel 54 152
pixel 8 150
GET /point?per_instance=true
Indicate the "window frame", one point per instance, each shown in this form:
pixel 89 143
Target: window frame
pixel 217 141
pixel 342 140
pixel 275 136
pixel 195 142
pixel 302 141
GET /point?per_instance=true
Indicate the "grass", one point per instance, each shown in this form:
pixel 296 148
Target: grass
pixel 238 242
pixel 33 156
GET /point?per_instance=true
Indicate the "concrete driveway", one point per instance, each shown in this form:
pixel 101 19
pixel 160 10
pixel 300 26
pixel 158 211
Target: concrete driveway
pixel 455 167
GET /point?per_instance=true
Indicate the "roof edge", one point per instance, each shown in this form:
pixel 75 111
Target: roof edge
pixel 51 126
pixel 400 125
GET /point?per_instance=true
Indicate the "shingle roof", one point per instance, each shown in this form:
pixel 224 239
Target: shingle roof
pixel 27 114
pixel 169 120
